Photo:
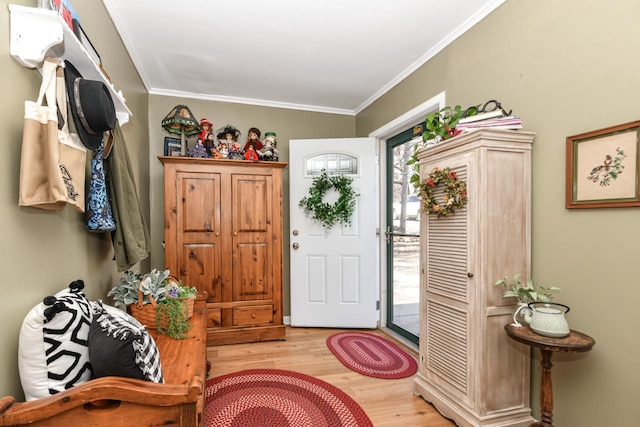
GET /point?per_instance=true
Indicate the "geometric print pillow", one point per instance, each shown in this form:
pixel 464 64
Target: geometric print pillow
pixel 53 352
pixel 119 345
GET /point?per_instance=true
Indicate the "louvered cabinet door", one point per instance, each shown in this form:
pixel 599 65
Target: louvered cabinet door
pixel 448 289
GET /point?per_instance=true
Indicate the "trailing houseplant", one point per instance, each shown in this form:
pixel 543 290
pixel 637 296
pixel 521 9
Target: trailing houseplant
pixel 172 318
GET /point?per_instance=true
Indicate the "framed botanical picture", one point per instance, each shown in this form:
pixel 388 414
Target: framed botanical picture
pixel 171 146
pixel 602 168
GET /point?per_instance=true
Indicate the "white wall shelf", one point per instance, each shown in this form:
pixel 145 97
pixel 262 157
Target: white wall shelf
pixel 38 33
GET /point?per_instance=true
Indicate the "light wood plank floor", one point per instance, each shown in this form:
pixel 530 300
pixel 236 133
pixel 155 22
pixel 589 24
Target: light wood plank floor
pixel 388 402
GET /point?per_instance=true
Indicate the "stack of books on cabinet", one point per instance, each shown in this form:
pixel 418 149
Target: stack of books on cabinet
pixel 496 119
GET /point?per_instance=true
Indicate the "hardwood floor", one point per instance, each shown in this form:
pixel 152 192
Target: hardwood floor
pixel 386 402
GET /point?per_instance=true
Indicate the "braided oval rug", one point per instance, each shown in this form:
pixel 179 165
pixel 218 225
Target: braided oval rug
pixel 372 355
pixel 278 398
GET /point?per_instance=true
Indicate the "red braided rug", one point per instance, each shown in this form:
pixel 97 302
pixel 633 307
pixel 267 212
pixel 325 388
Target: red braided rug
pixel 371 355
pixel 276 398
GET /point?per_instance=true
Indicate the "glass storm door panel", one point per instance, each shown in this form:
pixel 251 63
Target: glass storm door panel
pixel 403 238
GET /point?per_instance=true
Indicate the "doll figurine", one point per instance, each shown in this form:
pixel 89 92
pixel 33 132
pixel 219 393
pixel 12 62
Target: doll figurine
pixel 253 139
pixel 198 150
pixel 229 134
pixel 205 130
pixel 235 151
pixel 250 153
pixel 223 150
pixel 269 152
pixel 210 144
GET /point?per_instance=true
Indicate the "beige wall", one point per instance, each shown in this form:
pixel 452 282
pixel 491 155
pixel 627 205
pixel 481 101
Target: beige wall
pixel 41 252
pixel 566 68
pixel 287 124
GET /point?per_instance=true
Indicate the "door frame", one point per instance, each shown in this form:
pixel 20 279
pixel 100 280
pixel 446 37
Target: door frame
pixel 409 119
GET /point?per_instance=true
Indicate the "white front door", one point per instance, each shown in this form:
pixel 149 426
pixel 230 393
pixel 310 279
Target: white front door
pixel 334 271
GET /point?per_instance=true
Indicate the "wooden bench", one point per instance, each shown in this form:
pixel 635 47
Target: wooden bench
pixel 118 401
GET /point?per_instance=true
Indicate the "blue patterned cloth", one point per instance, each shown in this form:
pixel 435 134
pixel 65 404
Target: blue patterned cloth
pixel 99 215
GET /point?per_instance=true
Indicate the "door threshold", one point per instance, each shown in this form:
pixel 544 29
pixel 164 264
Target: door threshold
pixel 402 340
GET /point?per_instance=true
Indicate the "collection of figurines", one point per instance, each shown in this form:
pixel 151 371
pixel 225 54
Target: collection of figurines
pixel 228 147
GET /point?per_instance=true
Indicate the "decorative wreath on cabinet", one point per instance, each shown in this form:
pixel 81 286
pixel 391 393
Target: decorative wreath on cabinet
pixel 328 214
pixel 455 192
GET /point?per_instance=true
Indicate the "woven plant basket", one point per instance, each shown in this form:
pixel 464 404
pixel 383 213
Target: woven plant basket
pixel 145 313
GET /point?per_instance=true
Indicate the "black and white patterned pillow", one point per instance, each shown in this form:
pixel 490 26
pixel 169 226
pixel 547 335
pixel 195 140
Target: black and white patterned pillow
pixel 53 353
pixel 119 345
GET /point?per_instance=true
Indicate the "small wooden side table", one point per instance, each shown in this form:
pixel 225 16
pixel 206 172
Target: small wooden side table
pixel 574 342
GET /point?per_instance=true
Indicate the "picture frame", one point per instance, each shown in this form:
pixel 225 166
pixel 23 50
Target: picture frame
pixel 172 146
pixel 88 46
pixel 602 168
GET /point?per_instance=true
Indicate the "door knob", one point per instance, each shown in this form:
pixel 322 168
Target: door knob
pixel 296 245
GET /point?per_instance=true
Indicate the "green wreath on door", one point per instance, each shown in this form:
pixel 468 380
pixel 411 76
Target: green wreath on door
pixel 330 213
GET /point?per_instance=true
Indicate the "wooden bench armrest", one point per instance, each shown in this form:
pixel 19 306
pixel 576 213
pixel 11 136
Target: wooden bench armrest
pixel 97 394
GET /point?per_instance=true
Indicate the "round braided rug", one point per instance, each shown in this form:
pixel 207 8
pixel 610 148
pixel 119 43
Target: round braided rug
pixel 277 398
pixel 371 355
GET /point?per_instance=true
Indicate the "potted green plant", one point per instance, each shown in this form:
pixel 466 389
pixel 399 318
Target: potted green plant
pixel 157 300
pixel 526 291
pixel 152 286
pixel 439 126
pixel 178 298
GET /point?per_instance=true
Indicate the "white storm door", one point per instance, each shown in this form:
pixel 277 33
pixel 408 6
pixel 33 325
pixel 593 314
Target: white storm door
pixel 334 271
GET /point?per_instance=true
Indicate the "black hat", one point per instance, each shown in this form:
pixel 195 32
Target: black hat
pixel 91 106
pixel 228 129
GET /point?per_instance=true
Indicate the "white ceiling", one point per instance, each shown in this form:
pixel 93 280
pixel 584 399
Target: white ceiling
pixel 333 56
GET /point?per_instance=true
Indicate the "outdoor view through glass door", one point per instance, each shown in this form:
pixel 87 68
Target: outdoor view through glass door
pixel 403 237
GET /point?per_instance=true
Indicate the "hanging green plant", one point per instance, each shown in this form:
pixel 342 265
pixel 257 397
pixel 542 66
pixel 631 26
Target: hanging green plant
pixel 172 318
pixel 455 192
pixel 326 213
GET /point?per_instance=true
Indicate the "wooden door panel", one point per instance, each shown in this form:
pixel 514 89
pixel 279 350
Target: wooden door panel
pixel 252 272
pixel 201 267
pixel 252 204
pixel 252 208
pixel 198 239
pixel 200 203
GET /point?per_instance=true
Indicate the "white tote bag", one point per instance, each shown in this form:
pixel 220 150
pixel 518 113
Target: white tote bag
pixel 52 163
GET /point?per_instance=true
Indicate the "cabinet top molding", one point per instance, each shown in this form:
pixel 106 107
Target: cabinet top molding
pixel 494 137
pixel 226 162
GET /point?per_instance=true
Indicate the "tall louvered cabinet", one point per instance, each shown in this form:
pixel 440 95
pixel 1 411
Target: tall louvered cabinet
pixel 469 369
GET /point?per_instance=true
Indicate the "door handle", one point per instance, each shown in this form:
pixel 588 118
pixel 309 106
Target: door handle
pixel 296 245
